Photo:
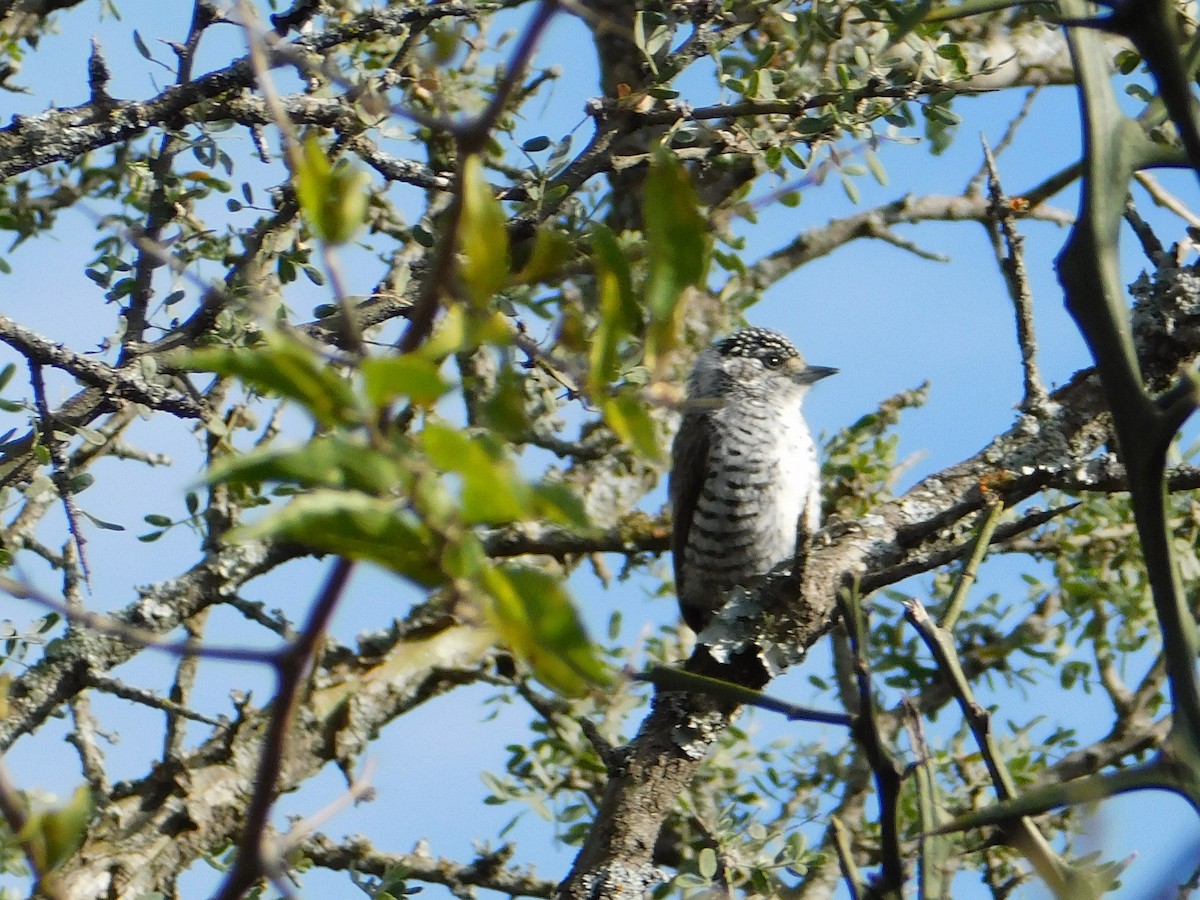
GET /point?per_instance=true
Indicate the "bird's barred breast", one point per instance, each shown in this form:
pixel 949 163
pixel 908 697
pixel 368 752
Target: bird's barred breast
pixel 761 475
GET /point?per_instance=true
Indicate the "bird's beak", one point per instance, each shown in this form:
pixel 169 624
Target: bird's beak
pixel 810 374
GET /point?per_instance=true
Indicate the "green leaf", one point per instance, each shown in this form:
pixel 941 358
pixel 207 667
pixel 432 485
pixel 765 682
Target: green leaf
pixel 333 198
pixel 551 248
pixel 850 188
pixel 504 412
pixel 492 491
pixel 355 526
pixel 329 461
pixel 677 248
pixel 80 482
pixel 286 368
pixel 100 523
pixel 536 144
pixel 533 615
pixel 620 316
pixel 556 502
pixel 387 377
pixel 54 835
pixel 627 416
pixel 462 329
pixel 482 238
pixel 1127 61
pixel 876 167
pixel 141 45
pixel 941 114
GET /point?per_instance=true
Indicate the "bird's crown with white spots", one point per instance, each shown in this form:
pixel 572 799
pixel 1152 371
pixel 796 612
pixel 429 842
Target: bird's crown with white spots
pixel 757 343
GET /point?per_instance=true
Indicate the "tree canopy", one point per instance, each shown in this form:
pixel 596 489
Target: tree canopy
pixel 388 323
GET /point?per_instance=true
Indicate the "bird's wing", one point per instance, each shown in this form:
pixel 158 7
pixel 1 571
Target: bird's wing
pixel 689 468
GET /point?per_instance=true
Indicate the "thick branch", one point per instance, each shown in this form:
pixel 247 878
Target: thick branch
pixel 125 384
pixel 488 871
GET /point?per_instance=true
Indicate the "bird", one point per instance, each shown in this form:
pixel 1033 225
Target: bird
pixel 744 484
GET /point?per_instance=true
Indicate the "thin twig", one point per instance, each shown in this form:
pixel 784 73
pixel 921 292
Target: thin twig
pixel 556 714
pixel 83 739
pixel 124 384
pixel 83 735
pixel 160 208
pixel 989 518
pixel 933 850
pixel 1035 847
pixel 667 678
pixel 888 236
pixel 359 790
pixel 60 472
pixel 129 634
pixel 490 870
pixel 885 767
pixel 181 689
pixel 254 611
pixel 147 698
pixel 1151 245
pixel 1164 198
pixel 256 38
pixel 1006 139
pixel 855 882
pixel 1001 223
pixel 916 562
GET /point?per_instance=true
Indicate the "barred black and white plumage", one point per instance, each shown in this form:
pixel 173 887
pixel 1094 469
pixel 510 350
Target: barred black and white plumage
pixel 744 484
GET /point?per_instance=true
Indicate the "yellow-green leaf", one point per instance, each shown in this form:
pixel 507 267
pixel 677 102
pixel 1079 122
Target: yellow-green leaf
pixel 287 368
pixel 551 248
pixel 387 377
pixel 556 502
pixel 462 329
pixel 333 198
pixel 619 314
pixel 533 615
pixel 677 247
pixel 504 412
pixel 492 490
pixel 482 238
pixel 627 416
pixel 53 835
pixel 358 527
pixel 326 461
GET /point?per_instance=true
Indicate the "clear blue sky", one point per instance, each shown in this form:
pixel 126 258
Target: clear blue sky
pixel 888 319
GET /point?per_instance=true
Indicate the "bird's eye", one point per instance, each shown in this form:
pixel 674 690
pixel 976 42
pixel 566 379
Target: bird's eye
pixel 772 360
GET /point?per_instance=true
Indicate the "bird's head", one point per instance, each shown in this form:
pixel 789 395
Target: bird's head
pixel 754 363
